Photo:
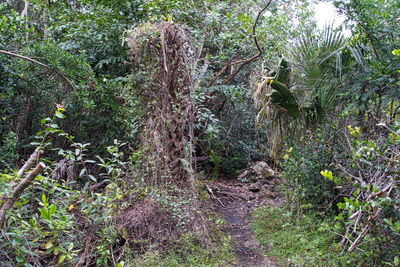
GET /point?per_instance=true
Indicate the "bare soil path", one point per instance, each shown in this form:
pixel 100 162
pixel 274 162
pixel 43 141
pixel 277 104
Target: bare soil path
pixel 235 202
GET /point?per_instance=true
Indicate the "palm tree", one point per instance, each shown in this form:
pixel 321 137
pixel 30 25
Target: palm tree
pixel 297 95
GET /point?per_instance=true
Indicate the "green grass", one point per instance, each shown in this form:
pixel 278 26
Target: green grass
pixel 304 243
pixel 191 253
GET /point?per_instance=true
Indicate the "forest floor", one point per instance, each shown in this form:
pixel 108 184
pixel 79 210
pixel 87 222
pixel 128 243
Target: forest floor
pixel 235 202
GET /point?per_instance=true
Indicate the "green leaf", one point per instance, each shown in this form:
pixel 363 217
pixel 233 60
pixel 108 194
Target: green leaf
pixel 70 246
pixel 92 178
pixel 44 121
pixel 389 222
pixel 44 200
pixel 45 213
pixel 82 172
pixel 60 115
pixel 49 244
pixel 61 259
pixel 396 261
pixel 20 259
pixel 35 144
pixel 53 209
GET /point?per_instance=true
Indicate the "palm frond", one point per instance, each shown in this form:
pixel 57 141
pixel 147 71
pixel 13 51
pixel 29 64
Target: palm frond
pixel 301 101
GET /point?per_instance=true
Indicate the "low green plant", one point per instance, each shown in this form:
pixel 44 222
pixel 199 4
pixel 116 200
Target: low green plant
pixel 43 224
pixel 306 243
pixel 304 188
pixel 192 253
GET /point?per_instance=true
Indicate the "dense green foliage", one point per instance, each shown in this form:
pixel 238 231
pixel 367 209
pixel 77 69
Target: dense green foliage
pixel 322 106
pixel 305 243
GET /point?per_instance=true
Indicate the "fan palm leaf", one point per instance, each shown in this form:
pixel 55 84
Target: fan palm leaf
pixel 303 92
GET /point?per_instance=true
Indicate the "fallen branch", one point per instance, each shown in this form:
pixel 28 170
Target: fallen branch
pixel 40 64
pixel 232 195
pixel 16 193
pixel 226 193
pixel 355 215
pixel 210 191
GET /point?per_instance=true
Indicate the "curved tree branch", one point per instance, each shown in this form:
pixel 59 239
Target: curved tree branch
pixel 242 62
pixel 42 65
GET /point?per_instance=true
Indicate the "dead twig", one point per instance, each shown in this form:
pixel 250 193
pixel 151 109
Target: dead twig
pixel 344 237
pixel 85 255
pixel 112 256
pixel 122 251
pixel 364 231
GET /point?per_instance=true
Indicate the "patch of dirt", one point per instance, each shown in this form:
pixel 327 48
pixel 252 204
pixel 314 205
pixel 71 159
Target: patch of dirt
pixel 235 202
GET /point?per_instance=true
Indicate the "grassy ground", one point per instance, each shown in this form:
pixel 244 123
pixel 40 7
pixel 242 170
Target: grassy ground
pixel 304 243
pixel 190 254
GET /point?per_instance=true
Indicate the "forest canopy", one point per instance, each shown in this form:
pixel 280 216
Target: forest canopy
pixel 128 128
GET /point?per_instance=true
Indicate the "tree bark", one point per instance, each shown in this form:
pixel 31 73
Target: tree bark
pixel 16 193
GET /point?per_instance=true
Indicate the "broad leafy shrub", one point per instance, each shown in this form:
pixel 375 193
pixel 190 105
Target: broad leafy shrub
pixel 302 165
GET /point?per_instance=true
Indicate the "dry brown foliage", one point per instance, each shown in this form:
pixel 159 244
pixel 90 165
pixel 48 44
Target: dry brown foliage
pixel 146 224
pixel 163 85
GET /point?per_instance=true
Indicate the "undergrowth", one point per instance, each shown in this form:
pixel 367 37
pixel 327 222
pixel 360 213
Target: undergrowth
pixel 307 242
pixel 190 253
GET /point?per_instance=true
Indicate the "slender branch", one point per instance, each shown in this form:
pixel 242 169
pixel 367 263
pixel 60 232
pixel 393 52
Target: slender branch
pixel 202 72
pixel 219 74
pixel 243 62
pixel 364 232
pixel 9 204
pixel 255 25
pixel 40 64
pixel 25 58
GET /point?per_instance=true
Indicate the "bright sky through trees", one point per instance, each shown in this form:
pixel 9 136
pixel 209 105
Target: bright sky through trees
pixel 325 13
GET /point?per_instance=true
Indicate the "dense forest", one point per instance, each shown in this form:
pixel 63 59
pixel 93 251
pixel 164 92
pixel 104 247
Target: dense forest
pixel 199 133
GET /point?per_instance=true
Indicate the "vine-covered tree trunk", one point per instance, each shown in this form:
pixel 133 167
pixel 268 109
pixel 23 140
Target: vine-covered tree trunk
pixel 163 85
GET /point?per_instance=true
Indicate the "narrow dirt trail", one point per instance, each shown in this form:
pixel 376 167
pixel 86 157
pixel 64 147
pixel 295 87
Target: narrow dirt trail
pixel 235 204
